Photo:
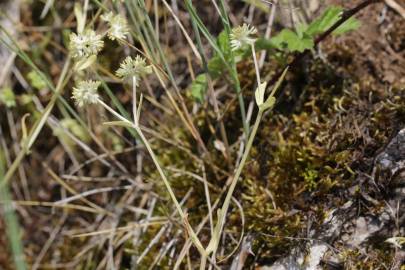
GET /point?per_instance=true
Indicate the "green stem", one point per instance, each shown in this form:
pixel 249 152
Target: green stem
pixel 242 163
pixel 238 172
pixel 256 65
pixel 193 235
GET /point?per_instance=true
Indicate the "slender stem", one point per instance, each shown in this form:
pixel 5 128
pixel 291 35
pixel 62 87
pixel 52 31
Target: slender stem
pixel 108 108
pixel 193 235
pixel 208 198
pixel 183 216
pixel 256 65
pixel 14 166
pixel 134 101
pixel 160 170
pixel 203 262
pixel 226 204
pixel 234 73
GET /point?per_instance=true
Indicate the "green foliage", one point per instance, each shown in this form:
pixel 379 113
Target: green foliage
pixel 287 40
pixel 292 41
pixel 216 65
pixel 199 87
pixel 74 126
pixel 310 177
pixel 36 80
pixel 329 18
pixel 303 38
pixel 7 97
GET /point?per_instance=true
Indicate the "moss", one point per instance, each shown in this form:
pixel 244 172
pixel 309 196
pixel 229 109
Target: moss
pixel 373 259
pixel 302 163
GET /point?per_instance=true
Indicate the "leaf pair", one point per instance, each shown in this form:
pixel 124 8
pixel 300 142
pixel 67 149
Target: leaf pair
pixel 271 100
pixel 259 95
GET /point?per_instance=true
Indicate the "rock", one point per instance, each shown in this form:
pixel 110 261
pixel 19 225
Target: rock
pixel 352 230
pixel 393 157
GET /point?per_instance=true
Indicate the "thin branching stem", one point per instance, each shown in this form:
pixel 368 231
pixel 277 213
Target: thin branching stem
pixel 135 125
pixel 227 201
pixel 256 64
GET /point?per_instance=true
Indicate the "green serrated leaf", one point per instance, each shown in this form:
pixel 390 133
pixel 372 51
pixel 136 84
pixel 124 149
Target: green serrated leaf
pixel 328 19
pixel 323 23
pixel 288 39
pixel 199 87
pixel 223 42
pixel 300 29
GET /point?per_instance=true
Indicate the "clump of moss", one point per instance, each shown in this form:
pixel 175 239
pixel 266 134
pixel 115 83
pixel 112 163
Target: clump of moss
pixel 304 161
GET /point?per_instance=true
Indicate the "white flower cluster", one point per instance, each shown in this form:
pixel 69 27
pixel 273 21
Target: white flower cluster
pixel 133 68
pixel 241 36
pixel 118 26
pixel 85 47
pixel 86 44
pixel 86 93
pixel 89 43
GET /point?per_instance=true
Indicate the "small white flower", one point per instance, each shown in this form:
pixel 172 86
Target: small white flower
pixel 241 36
pixel 133 68
pixel 86 93
pixel 118 26
pixel 86 44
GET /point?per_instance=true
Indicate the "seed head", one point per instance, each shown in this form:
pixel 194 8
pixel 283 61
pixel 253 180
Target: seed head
pixel 86 44
pixel 241 36
pixel 86 93
pixel 118 26
pixel 133 68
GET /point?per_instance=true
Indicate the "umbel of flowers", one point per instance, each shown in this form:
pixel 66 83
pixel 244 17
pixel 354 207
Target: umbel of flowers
pixel 85 92
pixel 88 43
